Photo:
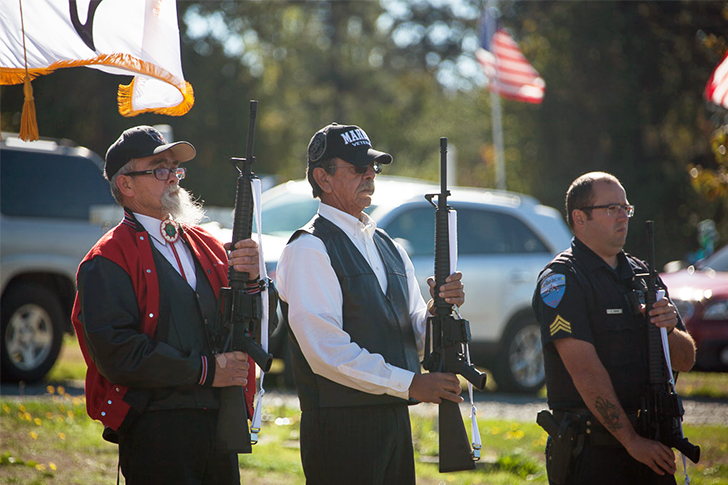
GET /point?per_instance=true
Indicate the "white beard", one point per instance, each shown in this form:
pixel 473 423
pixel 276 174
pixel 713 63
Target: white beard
pixel 182 206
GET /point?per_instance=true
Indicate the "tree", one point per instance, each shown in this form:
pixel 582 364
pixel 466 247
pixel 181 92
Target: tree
pixel 624 85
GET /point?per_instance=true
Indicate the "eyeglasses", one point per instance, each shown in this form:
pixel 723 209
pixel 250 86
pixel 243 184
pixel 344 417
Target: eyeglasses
pixel 613 210
pixel 163 173
pixel 362 169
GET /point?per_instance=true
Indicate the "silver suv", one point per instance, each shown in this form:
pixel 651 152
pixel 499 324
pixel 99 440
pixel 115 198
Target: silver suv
pixel 505 239
pixel 48 193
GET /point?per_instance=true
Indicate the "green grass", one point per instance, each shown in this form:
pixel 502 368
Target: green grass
pixel 70 365
pixel 51 440
pixel 713 385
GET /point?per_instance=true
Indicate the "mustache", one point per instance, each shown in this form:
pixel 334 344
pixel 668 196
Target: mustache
pixel 367 185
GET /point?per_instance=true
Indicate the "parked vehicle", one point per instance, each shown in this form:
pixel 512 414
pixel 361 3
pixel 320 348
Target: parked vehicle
pixel 504 240
pixel 48 191
pixel 700 293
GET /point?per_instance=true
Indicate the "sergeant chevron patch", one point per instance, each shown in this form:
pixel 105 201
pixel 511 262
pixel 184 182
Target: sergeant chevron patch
pixel 560 324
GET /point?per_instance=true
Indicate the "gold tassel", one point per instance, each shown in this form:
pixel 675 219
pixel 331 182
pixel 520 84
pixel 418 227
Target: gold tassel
pixel 28 121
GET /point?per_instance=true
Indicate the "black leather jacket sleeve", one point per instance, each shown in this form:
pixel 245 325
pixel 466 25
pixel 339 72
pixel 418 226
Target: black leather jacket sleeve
pixel 111 325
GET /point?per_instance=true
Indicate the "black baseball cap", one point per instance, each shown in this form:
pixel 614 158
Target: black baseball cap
pixel 143 141
pixel 347 142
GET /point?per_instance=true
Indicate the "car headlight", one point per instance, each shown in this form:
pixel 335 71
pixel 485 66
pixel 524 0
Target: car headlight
pixel 717 310
pixel 684 299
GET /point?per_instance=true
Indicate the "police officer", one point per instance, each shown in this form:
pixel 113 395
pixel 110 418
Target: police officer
pixel 595 346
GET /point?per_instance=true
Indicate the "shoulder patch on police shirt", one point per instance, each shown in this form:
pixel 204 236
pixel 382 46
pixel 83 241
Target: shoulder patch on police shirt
pixel 553 289
pixel 559 324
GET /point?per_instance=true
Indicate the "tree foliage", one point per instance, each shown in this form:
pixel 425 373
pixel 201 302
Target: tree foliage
pixel 624 83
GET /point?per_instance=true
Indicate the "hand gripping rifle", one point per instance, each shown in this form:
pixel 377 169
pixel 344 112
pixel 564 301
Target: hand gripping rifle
pixel 660 418
pixel 446 339
pixel 239 312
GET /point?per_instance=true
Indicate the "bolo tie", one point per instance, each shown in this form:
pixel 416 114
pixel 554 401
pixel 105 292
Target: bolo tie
pixel 170 232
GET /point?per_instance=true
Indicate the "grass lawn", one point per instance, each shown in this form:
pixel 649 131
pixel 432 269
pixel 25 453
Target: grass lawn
pixel 52 441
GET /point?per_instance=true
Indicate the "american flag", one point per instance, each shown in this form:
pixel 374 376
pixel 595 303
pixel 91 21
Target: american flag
pixel 717 87
pixel 509 73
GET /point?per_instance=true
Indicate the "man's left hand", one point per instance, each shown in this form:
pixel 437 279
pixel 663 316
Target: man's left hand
pixel 664 314
pixel 244 258
pixel 452 291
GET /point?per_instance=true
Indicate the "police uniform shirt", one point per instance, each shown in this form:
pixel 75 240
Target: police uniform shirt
pixel 580 296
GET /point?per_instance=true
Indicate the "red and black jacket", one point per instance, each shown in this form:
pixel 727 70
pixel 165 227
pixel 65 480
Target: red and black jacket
pixel 129 248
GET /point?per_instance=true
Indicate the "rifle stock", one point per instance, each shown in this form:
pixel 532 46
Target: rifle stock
pixel 239 313
pixel 446 339
pixel 455 453
pixel 661 415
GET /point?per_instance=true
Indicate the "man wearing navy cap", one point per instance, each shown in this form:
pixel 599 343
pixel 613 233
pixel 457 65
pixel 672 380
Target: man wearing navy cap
pixel 357 322
pixel 146 292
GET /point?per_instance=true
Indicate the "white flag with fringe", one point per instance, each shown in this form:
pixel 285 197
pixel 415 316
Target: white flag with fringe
pixel 139 38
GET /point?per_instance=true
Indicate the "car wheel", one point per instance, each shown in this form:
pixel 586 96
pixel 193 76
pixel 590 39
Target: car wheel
pixel 520 365
pixel 32 333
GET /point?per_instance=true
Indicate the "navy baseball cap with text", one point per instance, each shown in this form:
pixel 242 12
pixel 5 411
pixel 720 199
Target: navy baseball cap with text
pixel 143 141
pixel 348 142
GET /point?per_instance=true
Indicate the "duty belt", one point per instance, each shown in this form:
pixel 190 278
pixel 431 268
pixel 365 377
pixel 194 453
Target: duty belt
pixel 592 428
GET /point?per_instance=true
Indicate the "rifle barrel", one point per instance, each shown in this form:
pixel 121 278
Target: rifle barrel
pixel 251 131
pixel 442 200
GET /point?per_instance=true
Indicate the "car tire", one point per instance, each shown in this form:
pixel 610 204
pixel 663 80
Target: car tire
pixel 32 333
pixel 520 365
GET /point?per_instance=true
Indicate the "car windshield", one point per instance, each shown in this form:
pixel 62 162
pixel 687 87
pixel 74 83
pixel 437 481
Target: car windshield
pixel 717 261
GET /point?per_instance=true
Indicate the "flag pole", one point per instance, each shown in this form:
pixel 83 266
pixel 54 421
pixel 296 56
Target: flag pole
pixel 497 124
pixel 496 118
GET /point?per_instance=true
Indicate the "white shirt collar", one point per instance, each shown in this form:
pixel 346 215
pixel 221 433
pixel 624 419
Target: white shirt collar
pixel 152 225
pixel 351 225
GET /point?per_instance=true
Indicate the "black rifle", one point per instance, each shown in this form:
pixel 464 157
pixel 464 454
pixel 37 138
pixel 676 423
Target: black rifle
pixel 446 339
pixel 237 325
pixel 660 418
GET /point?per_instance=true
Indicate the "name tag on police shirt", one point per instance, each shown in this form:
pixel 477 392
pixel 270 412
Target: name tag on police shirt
pixel 614 311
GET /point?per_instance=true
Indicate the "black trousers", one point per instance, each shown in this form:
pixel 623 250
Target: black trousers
pixel 176 447
pixel 358 445
pixel 610 465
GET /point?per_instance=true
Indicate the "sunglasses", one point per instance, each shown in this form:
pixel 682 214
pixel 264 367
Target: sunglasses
pixel 362 169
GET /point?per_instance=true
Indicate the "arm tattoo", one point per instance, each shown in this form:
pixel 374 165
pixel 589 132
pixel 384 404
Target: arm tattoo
pixel 609 412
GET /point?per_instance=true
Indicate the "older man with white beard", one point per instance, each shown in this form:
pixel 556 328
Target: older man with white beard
pixel 146 292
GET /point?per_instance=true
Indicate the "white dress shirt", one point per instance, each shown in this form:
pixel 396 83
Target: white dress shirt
pixel 153 227
pixel 307 282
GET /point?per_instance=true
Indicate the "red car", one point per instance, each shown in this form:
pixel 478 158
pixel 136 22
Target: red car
pixel 700 293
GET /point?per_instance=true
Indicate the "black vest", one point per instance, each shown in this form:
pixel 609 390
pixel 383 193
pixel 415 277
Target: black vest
pixel 183 313
pixel 376 322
